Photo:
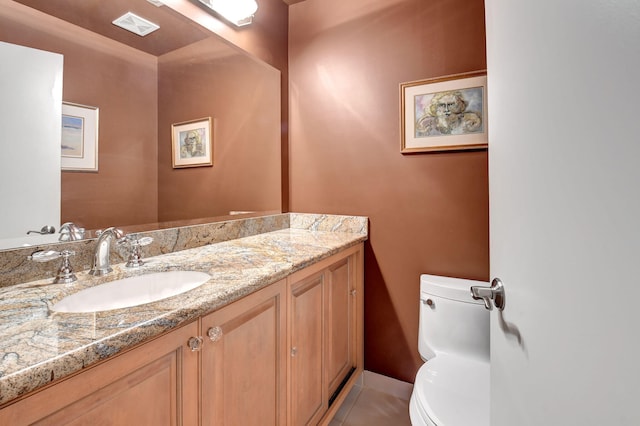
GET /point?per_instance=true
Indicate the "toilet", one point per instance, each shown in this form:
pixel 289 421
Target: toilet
pixel 452 387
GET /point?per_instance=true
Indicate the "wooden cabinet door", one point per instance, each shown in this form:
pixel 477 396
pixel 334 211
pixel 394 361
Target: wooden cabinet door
pixel 307 396
pixel 244 361
pixel 153 384
pixel 341 323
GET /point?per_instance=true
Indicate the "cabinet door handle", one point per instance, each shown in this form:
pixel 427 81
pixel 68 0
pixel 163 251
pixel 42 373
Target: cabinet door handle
pixel 353 292
pixel 195 343
pixel 214 333
pixel 294 351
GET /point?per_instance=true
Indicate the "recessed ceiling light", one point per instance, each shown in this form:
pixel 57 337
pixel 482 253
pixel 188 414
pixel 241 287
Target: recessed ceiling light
pixel 137 25
pixel 156 3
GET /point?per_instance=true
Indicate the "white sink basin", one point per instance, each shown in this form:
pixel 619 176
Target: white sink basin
pixel 132 291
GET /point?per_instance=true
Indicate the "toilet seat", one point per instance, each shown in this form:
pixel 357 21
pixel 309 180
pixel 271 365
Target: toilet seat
pixel 451 391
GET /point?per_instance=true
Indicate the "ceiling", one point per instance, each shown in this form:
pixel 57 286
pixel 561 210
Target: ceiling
pixel 175 31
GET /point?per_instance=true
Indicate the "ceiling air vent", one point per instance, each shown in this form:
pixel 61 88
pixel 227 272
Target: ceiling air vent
pixel 137 25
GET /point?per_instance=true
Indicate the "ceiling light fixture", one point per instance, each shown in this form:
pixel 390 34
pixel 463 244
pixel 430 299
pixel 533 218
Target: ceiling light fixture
pixel 238 12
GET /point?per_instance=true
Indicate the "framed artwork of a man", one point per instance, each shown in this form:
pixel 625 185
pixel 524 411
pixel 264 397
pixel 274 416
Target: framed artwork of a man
pixel 444 114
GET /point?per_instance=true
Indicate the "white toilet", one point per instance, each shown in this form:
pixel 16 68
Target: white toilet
pixel 452 387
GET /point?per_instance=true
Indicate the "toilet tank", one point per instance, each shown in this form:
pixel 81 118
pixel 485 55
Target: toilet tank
pixel 451 321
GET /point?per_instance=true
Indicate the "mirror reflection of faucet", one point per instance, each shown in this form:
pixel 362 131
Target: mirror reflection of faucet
pixel 69 231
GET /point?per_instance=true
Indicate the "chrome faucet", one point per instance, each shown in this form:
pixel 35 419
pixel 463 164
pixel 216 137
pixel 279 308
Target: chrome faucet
pixel 101 264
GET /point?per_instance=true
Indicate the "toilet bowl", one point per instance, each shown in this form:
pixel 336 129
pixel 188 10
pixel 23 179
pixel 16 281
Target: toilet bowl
pixel 452 387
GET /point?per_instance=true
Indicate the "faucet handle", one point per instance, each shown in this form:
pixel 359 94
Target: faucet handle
pixel 135 242
pixel 44 256
pixel 65 272
pixel 134 239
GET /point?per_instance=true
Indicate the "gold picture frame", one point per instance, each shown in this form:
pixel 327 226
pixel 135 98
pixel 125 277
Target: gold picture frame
pixel 444 114
pixel 192 143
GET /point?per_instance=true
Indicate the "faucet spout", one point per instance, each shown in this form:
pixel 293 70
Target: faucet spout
pixel 101 264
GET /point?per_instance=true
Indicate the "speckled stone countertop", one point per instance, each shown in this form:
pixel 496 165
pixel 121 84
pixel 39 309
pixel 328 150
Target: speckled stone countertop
pixel 38 346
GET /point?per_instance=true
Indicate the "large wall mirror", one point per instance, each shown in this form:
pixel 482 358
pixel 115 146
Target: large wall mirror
pixel 143 87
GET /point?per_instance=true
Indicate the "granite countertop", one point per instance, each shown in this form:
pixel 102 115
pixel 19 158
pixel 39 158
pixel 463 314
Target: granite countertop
pixel 38 346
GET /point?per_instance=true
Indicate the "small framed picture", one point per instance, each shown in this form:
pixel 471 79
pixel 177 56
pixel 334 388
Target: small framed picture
pixel 444 114
pixel 192 144
pixel 79 142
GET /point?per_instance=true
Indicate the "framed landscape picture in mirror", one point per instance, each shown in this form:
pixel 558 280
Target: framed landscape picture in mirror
pixel 192 144
pixel 444 114
pixel 79 142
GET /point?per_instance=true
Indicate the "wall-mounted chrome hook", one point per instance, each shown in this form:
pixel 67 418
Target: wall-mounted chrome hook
pixel 487 294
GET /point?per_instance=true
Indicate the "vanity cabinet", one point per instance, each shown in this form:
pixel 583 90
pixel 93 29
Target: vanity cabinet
pixel 325 335
pixel 308 400
pixel 243 361
pixel 152 384
pixel 342 291
pixel 286 354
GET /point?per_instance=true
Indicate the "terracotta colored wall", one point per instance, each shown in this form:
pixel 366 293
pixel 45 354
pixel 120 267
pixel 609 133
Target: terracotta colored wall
pixel 242 96
pixel 124 191
pixel 121 82
pixel 428 212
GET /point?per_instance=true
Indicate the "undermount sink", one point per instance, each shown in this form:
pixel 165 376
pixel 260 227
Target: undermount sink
pixel 132 291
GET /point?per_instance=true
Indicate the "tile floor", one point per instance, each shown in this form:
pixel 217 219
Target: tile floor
pixel 368 406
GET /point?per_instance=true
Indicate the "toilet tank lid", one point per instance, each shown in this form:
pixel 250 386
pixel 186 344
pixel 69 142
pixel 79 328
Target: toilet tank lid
pixel 450 288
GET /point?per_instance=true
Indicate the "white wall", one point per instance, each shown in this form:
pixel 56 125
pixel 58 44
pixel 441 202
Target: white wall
pixel 30 131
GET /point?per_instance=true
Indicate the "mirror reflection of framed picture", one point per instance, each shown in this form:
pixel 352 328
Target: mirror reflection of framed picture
pixel 79 142
pixel 191 143
pixel 444 114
